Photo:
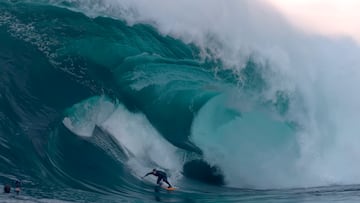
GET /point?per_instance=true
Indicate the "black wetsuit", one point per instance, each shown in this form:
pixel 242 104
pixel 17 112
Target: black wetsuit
pixel 161 176
pixel 7 188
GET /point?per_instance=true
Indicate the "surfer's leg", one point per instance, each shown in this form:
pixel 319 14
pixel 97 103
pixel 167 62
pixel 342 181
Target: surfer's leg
pixel 158 180
pixel 166 181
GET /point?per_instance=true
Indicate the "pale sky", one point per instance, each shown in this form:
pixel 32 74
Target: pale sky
pixel 330 17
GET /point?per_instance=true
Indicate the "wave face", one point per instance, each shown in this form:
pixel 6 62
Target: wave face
pixel 94 94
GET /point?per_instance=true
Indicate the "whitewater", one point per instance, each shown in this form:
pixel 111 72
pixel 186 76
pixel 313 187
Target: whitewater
pixel 231 100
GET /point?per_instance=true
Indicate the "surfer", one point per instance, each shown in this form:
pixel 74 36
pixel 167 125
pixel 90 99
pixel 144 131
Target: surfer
pixel 161 176
pixel 7 188
pixel 17 186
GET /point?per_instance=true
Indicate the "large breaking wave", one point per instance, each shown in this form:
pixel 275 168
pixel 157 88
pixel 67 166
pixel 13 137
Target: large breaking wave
pixel 231 84
pixel 298 77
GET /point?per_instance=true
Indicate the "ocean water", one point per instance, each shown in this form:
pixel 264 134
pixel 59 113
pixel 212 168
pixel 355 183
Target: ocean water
pixel 234 103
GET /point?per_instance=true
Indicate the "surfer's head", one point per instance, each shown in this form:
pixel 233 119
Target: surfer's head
pixel 154 170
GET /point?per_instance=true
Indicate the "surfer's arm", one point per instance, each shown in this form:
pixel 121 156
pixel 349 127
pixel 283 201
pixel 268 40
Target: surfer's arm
pixel 147 174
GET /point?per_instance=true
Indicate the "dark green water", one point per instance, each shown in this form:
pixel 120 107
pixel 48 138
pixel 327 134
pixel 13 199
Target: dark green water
pixel 88 105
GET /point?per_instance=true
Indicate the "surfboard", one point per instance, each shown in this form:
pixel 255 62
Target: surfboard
pixel 168 189
pixel 162 185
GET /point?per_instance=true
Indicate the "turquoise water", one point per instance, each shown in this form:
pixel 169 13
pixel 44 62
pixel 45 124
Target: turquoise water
pixel 93 96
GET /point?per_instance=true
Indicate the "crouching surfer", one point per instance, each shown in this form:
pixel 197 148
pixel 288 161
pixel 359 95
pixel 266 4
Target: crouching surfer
pixel 161 177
